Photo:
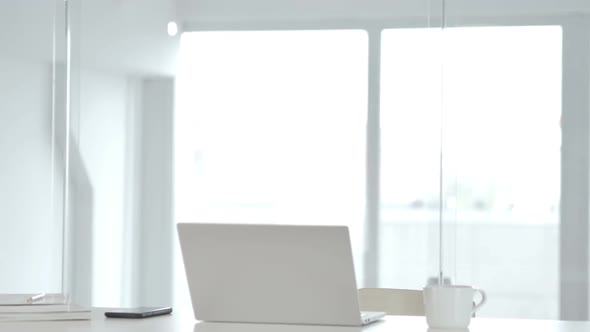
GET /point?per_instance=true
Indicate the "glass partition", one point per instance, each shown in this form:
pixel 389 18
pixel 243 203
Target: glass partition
pixel 410 157
pixel 515 161
pixel 32 149
pixel 122 63
pixel 501 165
pixel 409 164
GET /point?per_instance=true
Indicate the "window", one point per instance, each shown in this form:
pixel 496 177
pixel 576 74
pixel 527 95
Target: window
pixel 500 91
pixel 270 128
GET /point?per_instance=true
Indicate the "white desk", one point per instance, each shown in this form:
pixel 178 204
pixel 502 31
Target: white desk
pixel 184 322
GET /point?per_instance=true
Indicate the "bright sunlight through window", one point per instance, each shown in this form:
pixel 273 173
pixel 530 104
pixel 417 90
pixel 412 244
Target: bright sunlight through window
pixel 270 128
pixel 499 90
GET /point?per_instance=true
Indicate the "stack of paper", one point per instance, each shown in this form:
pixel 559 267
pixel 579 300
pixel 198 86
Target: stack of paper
pixel 28 299
pixel 20 307
pixel 43 312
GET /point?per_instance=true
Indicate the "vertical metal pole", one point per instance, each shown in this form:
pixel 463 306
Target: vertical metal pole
pixel 56 16
pixel 66 214
pixel 441 184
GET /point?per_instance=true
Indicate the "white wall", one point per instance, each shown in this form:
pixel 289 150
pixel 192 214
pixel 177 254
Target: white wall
pixel 102 145
pixel 125 145
pixel 156 229
pixel 115 46
pixel 126 36
pixel 129 35
pixel 26 33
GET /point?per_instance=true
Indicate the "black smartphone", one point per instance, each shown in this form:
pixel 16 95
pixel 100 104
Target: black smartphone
pixel 140 312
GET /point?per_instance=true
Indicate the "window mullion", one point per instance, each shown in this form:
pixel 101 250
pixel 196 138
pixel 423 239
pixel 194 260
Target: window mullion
pixel 371 261
pixel 575 179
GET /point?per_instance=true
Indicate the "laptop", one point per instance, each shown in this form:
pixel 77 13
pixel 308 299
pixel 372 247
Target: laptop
pixel 272 274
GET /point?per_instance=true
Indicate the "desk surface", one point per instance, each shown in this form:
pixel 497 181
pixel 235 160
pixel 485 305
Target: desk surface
pixel 184 322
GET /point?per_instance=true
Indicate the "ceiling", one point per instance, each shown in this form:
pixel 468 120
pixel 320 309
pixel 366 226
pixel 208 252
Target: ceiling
pixel 130 36
pixel 119 36
pixel 227 10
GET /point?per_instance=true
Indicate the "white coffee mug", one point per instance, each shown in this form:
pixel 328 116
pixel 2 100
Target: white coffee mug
pixel 451 306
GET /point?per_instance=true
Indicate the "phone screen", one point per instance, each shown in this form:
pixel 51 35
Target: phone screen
pixel 139 312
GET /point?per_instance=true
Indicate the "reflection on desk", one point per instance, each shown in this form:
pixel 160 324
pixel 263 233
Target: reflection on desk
pixel 405 324
pixel 238 327
pixel 181 321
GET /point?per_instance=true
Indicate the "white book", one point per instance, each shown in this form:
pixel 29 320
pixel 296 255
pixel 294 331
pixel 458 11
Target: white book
pixel 44 312
pixel 25 299
pixel 44 317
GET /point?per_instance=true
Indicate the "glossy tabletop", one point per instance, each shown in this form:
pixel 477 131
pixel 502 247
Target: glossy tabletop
pixel 185 322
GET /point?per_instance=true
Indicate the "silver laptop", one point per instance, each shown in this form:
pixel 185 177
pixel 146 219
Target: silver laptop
pixel 272 274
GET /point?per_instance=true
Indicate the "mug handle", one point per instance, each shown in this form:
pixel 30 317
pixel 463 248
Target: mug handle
pixel 482 302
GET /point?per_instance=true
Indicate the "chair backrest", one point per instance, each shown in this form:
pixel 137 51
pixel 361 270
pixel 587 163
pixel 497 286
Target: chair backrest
pixel 407 302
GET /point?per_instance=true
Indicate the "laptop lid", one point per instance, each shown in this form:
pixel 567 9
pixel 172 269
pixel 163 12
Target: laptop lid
pixel 270 273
